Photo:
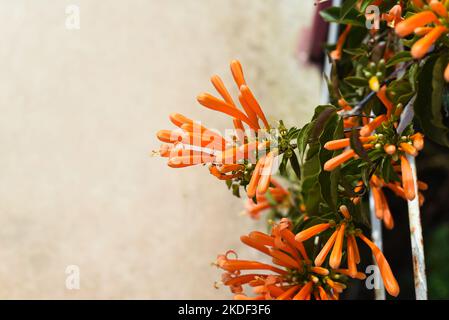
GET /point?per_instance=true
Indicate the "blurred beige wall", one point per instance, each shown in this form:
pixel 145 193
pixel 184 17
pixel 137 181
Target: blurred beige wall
pixel 79 112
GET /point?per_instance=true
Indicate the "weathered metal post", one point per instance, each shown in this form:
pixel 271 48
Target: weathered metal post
pixel 376 236
pixel 416 238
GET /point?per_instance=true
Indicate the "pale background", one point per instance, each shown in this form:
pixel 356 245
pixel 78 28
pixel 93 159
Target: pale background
pixel 78 114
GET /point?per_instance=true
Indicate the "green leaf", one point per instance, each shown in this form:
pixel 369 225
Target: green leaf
pixel 402 56
pixel 302 140
pixel 335 14
pixel 347 6
pixel 323 128
pixel 295 165
pixel 357 82
pixel 355 51
pixel 428 105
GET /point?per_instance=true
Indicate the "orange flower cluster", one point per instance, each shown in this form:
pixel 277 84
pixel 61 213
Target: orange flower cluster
pixel 293 275
pixel 394 146
pixel 193 143
pixel 278 194
pixel 430 24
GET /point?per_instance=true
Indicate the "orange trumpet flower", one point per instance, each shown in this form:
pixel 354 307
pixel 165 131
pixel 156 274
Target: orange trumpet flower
pixel 422 46
pixel 446 73
pixel 283 283
pixel 439 8
pixel 373 125
pixel 336 54
pixel 336 161
pixel 336 254
pixel 312 231
pixel 407 179
pixel 391 285
pixel 407 26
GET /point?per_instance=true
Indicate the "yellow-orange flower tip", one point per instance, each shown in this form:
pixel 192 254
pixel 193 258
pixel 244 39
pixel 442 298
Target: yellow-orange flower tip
pixel 344 210
pixel 422 31
pixel 389 149
pixel 373 125
pixel 446 73
pixel 438 8
pixel 391 285
pixel 409 149
pixel 336 254
pixel 178 119
pixel 422 185
pixel 374 84
pixel 346 272
pixel 407 26
pixel 418 141
pixel 418 3
pixel 422 46
pixel 320 271
pixel 337 144
pixel 336 161
pixel 311 232
pixel 321 257
pixel 252 186
pixel 407 179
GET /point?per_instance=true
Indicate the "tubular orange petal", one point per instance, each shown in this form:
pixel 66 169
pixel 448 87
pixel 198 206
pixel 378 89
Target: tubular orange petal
pixel 356 248
pixel 373 125
pixel 418 3
pixel 320 271
pixel 352 266
pixel 407 179
pixel 446 73
pixel 439 8
pixel 422 46
pixel 336 254
pixel 312 231
pixel 338 160
pixel 249 111
pixel 337 144
pixel 244 297
pixel 169 136
pixel 422 185
pixel 178 119
pixel 319 260
pixel 408 148
pixel 377 202
pixel 265 173
pixel 391 285
pixel 304 292
pixel 359 275
pixel 286 259
pixel 336 54
pixel 237 73
pixel 288 293
pixel 290 237
pixel 252 186
pixel 387 217
pixel 323 294
pixel 254 244
pixel 389 149
pixel 344 210
pixel 407 26
pixel 262 238
pixel 418 141
pixel 190 160
pixel 252 102
pixel 232 265
pixel 422 31
pixel 211 102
